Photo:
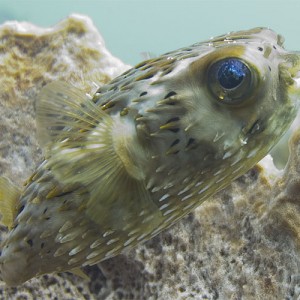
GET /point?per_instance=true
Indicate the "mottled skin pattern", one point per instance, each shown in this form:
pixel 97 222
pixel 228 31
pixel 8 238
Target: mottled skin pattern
pixel 165 145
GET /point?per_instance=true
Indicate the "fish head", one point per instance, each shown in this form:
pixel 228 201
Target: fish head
pixel 239 96
pixel 244 94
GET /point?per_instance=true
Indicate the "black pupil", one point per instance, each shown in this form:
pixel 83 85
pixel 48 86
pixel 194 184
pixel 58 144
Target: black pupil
pixel 231 73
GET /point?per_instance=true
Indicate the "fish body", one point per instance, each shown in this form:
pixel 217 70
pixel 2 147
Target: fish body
pixel 145 150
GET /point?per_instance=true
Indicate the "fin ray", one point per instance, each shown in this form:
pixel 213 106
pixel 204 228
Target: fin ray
pixel 86 145
pixel 63 110
pixel 9 195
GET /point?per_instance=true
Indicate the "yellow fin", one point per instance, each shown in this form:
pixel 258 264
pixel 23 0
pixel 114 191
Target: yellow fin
pixel 76 134
pixel 80 273
pixel 9 196
pixel 85 145
pixel 65 112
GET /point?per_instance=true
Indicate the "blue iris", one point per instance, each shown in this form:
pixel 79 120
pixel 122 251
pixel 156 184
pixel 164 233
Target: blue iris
pixel 231 73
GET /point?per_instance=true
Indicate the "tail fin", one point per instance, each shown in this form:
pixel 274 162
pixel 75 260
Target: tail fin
pixel 9 196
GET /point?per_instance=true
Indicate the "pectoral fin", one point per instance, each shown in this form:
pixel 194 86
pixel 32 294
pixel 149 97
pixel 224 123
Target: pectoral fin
pixel 86 145
pixel 76 134
pixel 65 113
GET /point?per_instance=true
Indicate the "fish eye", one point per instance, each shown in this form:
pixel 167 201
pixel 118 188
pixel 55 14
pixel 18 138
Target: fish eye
pixel 230 80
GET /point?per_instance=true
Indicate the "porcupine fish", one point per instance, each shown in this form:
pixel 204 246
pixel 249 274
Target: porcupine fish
pixel 145 150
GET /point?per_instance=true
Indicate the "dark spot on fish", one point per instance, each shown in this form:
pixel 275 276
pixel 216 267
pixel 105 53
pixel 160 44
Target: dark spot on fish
pixel 108 104
pixel 260 49
pixel 175 143
pixel 256 128
pixel 64 194
pixel 172 93
pixel 126 72
pixel 143 94
pixel 166 71
pixel 148 75
pixel 140 65
pixel 42 245
pixel 175 119
pixel 270 69
pixel 191 144
pixel 148 66
pixel 124 87
pixel 47 218
pixel 274 47
pixel 169 95
pixel 45 210
pixel 21 209
pixel 113 88
pixel 29 242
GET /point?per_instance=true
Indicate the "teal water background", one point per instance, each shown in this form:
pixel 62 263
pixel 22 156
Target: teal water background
pixel 131 28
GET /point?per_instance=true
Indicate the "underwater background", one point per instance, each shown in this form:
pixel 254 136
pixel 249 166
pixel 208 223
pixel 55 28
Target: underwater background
pixel 133 29
pixel 223 250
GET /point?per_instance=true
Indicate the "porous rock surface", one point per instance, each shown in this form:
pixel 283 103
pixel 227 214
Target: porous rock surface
pixel 244 243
